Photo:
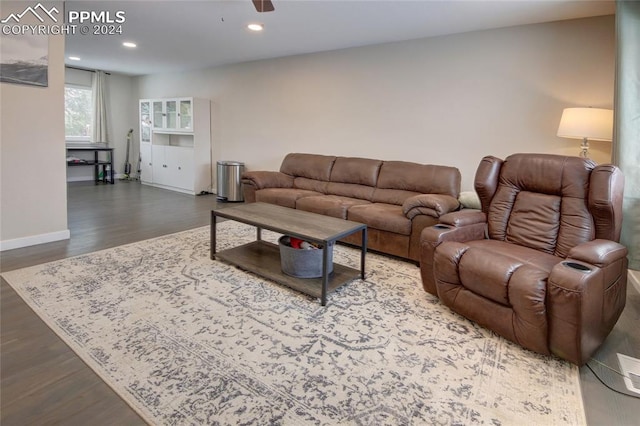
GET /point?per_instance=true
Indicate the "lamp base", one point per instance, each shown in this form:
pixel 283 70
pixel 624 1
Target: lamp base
pixel 585 148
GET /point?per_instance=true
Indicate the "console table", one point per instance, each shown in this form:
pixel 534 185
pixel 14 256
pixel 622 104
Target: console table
pixel 104 165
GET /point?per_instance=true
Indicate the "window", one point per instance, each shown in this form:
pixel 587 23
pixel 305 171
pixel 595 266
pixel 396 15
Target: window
pixel 78 111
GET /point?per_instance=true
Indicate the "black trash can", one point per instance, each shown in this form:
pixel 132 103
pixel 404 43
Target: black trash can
pixel 229 181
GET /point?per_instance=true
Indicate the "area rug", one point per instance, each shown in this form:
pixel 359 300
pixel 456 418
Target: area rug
pixel 187 340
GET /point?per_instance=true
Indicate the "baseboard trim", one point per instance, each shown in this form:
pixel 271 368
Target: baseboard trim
pixel 170 188
pixel 33 240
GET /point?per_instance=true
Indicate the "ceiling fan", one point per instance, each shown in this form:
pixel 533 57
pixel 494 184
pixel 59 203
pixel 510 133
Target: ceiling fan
pixel 263 5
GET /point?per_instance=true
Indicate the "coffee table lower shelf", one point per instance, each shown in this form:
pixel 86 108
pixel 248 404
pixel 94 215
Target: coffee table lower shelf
pixel 263 258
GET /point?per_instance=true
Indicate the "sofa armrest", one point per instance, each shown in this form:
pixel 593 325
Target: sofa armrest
pixel 599 253
pixel 267 179
pixel 430 204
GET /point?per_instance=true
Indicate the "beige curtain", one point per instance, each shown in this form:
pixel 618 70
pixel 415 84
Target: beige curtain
pixel 626 146
pixel 99 121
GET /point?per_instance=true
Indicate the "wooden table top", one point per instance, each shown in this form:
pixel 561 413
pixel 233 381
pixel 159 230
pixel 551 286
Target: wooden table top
pixel 285 220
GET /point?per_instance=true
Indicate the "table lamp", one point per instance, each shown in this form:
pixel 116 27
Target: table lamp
pixel 586 123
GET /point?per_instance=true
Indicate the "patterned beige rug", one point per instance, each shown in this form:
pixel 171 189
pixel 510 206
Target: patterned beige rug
pixel 187 340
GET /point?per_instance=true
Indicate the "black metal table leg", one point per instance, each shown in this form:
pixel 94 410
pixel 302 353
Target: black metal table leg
pixel 363 252
pixel 325 275
pixel 213 235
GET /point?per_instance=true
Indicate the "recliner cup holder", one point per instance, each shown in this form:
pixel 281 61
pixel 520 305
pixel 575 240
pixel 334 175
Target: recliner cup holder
pixel 440 226
pixel 577 266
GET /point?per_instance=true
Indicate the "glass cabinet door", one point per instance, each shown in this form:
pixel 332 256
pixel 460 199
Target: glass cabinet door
pixel 158 115
pixel 186 114
pixel 172 115
pixel 145 121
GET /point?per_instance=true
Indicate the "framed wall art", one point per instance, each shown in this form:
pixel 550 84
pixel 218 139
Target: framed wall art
pixel 24 59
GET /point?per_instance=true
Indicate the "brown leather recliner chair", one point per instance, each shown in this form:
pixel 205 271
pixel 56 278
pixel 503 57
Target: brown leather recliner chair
pixel 540 264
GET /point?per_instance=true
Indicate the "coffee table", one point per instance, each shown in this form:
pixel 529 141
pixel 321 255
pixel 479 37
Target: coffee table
pixel 263 258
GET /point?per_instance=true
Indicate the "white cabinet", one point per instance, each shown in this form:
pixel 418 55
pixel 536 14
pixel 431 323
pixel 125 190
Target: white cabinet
pixel 159 114
pixel 160 169
pixel 145 122
pixel 172 114
pixel 185 114
pixel 173 166
pixel 177 155
pixel 182 165
pixel 146 171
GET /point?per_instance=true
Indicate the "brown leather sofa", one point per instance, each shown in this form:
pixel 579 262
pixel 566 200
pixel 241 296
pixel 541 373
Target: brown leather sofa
pixel 540 264
pixel 396 199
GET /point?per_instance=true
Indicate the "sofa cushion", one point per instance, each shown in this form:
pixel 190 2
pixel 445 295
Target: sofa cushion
pixel 351 190
pixel 470 200
pixel 419 178
pixel 540 188
pixel 311 166
pixel 487 266
pixel 521 254
pixel 534 221
pixel 386 217
pixel 489 273
pixel 328 205
pixel 310 184
pixel 362 171
pixel 496 290
pixel 392 196
pixel 285 197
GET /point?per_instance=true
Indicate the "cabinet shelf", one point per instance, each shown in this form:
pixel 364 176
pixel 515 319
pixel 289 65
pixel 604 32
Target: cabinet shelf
pixel 175 144
pixel 172 132
pixel 87 163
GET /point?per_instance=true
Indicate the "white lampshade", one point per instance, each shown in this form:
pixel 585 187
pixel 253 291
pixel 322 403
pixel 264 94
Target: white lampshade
pixel 591 123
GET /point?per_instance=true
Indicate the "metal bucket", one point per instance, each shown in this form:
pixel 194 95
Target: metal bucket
pixel 301 263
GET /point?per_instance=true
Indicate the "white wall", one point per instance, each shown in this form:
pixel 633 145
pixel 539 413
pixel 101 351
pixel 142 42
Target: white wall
pixel 443 100
pixel 121 116
pixel 33 193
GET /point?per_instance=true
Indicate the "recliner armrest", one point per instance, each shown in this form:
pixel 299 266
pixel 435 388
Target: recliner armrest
pixel 464 218
pixel 267 179
pixel 434 205
pixel 462 226
pixel 599 253
pixel 585 295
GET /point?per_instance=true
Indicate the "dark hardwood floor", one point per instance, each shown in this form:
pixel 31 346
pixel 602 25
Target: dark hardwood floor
pixel 43 382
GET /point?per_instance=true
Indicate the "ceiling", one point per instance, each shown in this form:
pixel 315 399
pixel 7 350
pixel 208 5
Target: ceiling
pixel 181 35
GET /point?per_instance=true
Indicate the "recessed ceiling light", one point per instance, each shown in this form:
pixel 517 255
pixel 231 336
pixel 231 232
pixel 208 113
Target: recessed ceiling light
pixel 255 27
pixel 74 58
pixel 129 44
